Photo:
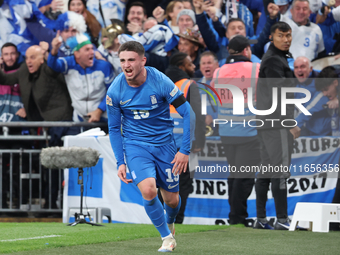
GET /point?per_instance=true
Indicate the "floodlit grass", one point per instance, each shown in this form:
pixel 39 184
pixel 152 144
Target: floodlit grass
pixel 144 239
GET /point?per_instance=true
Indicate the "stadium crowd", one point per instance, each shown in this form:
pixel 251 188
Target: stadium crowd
pixel 59 57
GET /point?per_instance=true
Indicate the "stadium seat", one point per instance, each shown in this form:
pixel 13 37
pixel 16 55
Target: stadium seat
pixel 318 214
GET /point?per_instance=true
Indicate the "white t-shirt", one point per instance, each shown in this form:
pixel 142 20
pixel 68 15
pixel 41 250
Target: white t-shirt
pixel 307 40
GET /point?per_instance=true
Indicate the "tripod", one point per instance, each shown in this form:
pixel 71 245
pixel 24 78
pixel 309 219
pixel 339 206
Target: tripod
pixel 80 217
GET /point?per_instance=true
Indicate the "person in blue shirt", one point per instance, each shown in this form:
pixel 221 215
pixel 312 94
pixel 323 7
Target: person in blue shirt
pixel 138 104
pixel 87 78
pixel 319 123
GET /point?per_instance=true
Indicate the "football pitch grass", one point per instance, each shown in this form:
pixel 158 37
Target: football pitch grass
pixel 57 238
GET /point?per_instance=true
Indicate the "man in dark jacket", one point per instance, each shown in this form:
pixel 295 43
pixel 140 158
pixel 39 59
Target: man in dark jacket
pixel 180 70
pixel 45 98
pixel 276 141
pixel 43 91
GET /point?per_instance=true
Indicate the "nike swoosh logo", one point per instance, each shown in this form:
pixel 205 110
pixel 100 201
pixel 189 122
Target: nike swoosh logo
pixel 283 225
pixel 122 103
pixel 171 187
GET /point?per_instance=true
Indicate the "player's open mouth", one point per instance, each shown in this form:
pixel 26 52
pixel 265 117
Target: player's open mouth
pixel 207 72
pixel 128 71
pixel 300 75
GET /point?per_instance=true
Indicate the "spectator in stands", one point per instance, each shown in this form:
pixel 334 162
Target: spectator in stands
pixel 328 84
pixel 53 10
pixel 189 43
pixel 186 19
pixel 171 12
pixel 241 143
pixel 188 4
pixel 110 44
pixel 159 41
pixel 68 23
pixel 307 36
pixel 208 65
pixel 180 70
pixel 87 78
pixel 11 109
pixel 106 10
pixel 235 26
pixel 43 91
pixel 320 121
pixel 276 141
pixel 93 26
pixel 11 106
pixel 135 17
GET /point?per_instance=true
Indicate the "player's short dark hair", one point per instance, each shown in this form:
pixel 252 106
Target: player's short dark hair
pixel 132 46
pixel 177 59
pixel 140 4
pixel 281 26
pixel 9 44
pixel 209 53
pixel 325 78
pixel 233 20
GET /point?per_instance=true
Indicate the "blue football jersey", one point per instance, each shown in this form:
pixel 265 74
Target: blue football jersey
pixel 144 110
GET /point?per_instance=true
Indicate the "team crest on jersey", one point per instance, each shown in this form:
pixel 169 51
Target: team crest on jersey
pixel 153 99
pixel 174 91
pixel 108 101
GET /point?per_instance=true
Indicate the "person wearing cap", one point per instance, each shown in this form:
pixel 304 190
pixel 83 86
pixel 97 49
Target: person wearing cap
pixel 242 147
pixel 87 78
pixel 110 44
pixel 186 19
pixel 68 23
pixel 189 43
pixel 275 139
pixel 93 26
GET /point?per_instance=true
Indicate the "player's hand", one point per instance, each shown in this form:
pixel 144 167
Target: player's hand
pixel 273 10
pixel 122 174
pixel 180 163
pixel 158 13
pixel 95 115
pixel 296 132
pixel 333 104
pixel 56 43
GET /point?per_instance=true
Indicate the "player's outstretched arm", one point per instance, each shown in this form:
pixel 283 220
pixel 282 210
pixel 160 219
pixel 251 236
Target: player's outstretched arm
pixel 189 121
pixel 180 163
pixel 122 174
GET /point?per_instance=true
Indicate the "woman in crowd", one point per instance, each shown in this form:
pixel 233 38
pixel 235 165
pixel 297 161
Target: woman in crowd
pixel 93 26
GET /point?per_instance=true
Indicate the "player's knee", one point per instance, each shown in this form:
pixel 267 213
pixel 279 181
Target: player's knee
pixel 172 201
pixel 149 193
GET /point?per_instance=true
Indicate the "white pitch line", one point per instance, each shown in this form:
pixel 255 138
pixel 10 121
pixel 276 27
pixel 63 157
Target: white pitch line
pixel 29 238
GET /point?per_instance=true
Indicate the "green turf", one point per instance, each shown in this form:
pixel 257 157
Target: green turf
pixel 144 239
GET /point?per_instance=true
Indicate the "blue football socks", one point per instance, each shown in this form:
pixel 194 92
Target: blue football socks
pixel 155 211
pixel 172 212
